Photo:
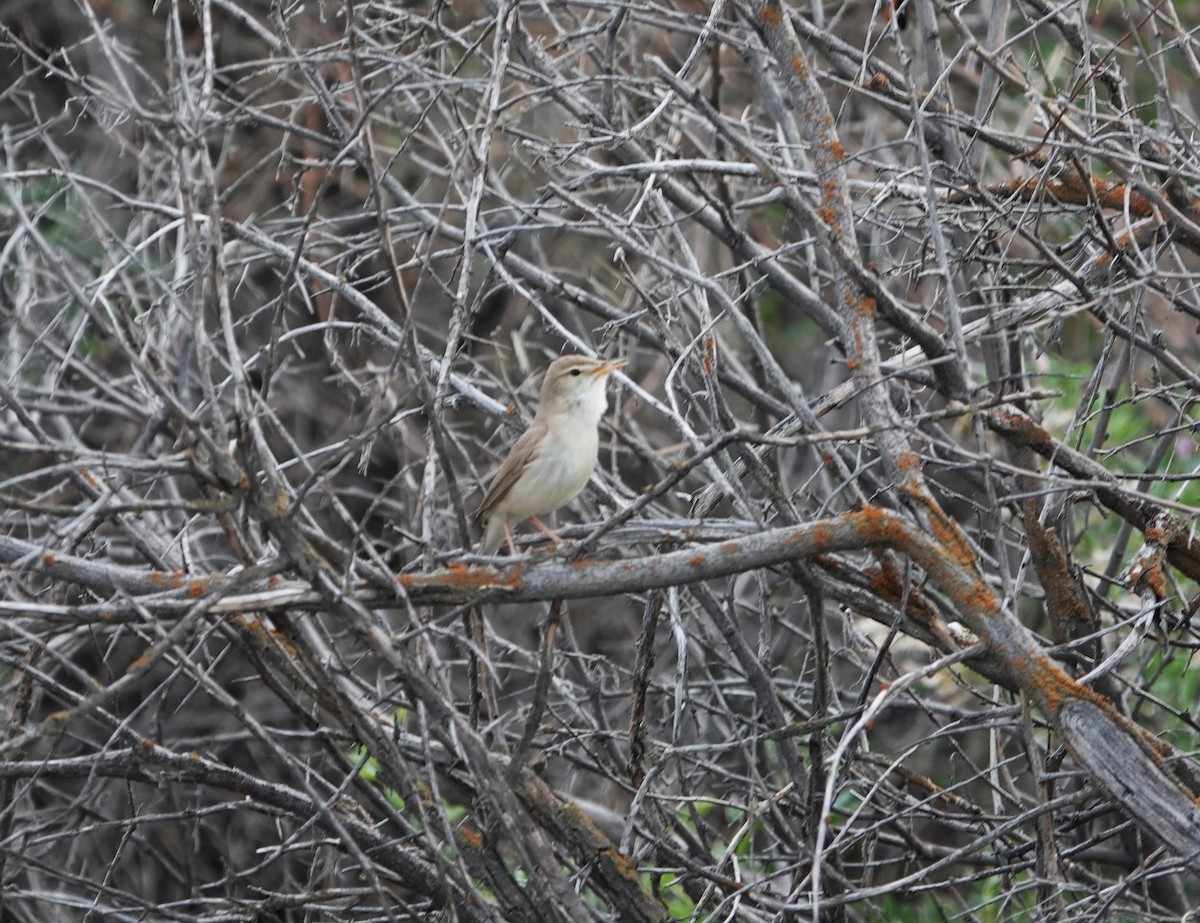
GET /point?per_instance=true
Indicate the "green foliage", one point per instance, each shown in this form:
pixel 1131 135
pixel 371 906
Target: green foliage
pixel 55 208
pixel 669 890
pixel 368 769
pixel 917 908
pixel 1174 681
pixel 1126 425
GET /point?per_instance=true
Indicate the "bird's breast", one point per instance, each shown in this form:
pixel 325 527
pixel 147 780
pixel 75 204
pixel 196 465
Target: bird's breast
pixel 560 470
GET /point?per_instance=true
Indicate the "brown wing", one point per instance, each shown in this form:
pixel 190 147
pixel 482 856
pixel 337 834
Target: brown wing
pixel 519 458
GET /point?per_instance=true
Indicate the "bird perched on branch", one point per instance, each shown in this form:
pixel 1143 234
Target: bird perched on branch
pixel 554 458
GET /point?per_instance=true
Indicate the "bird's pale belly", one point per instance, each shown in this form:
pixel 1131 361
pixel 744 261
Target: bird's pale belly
pixel 555 476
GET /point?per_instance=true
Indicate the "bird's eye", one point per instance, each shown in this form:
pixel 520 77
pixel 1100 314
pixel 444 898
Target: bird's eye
pixel 576 372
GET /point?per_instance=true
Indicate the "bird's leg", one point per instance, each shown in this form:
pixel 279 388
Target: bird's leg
pixel 547 531
pixel 512 546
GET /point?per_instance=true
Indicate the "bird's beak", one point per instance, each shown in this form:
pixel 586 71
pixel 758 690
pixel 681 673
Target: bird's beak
pixel 610 366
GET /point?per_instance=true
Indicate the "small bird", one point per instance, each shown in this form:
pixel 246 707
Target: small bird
pixel 554 458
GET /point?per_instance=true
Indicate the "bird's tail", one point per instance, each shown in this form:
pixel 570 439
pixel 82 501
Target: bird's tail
pixel 493 535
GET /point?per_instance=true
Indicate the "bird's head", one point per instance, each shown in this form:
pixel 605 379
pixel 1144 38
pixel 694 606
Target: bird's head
pixel 573 383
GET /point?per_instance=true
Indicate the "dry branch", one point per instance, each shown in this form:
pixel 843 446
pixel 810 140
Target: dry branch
pixel 886 584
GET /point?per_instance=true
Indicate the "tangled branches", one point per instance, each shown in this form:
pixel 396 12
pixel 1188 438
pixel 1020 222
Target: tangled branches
pixel 882 597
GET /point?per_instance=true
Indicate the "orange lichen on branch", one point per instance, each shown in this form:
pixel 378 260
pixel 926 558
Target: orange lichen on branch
pixel 1159 531
pixel 856 363
pixel 1146 570
pixel 1032 434
pixel 620 863
pixel 279 506
pixel 887 582
pixel 262 635
pixel 1070 617
pixel 198 587
pixel 1160 748
pixel 1070 189
pixel 978 597
pixel 830 197
pixel 880 83
pixel 1052 688
pixel 950 536
pixel 770 15
pixel 174 580
pixel 877 526
pixel 823 535
pixel 1122 197
pixel 468 576
pixel 1128 239
pixel 1148 573
pixel 884 579
pixel 94 482
pixel 1156 579
pixel 1073 189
